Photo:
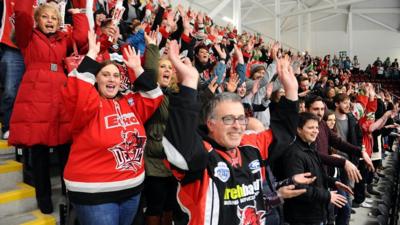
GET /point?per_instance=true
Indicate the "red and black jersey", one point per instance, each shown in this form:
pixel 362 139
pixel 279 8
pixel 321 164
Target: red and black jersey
pixel 211 189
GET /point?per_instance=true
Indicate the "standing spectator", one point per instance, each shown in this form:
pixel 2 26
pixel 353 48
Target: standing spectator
pixel 347 129
pixel 113 124
pixel 12 66
pixel 347 63
pixel 395 64
pixel 304 158
pixel 356 65
pixel 329 96
pixel 160 186
pixel 377 62
pixel 304 87
pixel 326 138
pixel 39 120
pixel 387 63
pixel 209 165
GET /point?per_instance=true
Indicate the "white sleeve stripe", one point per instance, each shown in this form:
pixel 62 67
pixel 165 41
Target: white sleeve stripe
pixel 86 76
pixel 152 94
pixel 173 155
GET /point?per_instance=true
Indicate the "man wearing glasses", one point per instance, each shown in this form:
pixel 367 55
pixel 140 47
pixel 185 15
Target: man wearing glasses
pixel 220 169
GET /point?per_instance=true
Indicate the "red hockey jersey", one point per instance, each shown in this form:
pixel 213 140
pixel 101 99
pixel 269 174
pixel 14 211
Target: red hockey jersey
pixel 106 160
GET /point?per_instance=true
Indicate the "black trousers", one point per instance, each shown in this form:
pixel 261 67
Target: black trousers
pixel 359 188
pixel 40 159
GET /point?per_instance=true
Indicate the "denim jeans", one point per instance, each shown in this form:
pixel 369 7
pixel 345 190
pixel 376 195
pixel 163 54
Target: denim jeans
pixel 115 213
pixel 344 213
pixel 12 68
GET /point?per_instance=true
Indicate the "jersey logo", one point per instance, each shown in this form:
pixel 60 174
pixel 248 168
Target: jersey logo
pixel 250 216
pixel 222 172
pixel 131 101
pixel 128 154
pixel 128 119
pixel 254 166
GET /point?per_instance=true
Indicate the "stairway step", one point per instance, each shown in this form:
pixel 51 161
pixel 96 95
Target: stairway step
pixel 17 201
pixel 10 174
pixel 5 149
pixel 30 218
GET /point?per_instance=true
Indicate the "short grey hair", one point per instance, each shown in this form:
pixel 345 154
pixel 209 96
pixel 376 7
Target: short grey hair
pixel 208 110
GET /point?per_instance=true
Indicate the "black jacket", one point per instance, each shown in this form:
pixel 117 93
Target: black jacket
pixel 310 207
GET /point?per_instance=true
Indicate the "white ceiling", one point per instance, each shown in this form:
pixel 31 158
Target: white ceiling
pixel 326 15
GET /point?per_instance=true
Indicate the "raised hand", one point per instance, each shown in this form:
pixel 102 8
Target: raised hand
pixel 213 85
pixel 250 44
pixel 221 51
pixel 269 89
pixel 256 86
pixel 232 83
pixel 287 78
pixel 163 3
pixel 94 46
pixel 132 60
pixel 186 24
pixel 200 18
pixel 274 48
pixel 239 54
pixel 186 73
pixel 151 38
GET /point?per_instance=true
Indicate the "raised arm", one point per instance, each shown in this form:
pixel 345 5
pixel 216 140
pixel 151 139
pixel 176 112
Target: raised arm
pixel 182 144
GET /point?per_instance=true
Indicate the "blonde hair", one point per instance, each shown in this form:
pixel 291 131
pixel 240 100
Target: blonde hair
pixel 39 10
pixel 173 84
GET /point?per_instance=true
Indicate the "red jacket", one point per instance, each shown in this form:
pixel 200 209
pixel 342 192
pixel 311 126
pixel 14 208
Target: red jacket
pixel 8 23
pixel 38 116
pixel 106 159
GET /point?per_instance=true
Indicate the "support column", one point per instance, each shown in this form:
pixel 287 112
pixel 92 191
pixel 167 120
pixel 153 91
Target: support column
pixel 237 14
pixel 300 28
pixel 308 47
pixel 350 33
pixel 277 20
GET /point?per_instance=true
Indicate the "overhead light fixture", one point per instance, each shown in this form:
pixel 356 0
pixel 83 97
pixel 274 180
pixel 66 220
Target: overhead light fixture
pixel 227 19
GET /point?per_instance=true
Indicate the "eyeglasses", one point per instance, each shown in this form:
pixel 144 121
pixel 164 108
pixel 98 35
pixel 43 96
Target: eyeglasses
pixel 230 120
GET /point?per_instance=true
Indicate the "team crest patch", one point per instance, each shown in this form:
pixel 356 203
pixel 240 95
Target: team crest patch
pixel 128 153
pixel 254 166
pixel 222 172
pixel 130 101
pixel 250 216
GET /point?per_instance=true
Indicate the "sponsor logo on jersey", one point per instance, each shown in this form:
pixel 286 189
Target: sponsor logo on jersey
pixel 128 153
pixel 128 119
pixel 250 216
pixel 243 191
pixel 222 172
pixel 254 166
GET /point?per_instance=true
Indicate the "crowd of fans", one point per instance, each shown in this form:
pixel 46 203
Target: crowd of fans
pixel 162 111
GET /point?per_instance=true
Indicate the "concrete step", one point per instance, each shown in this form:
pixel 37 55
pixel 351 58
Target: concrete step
pixel 5 148
pixel 29 218
pixel 18 200
pixel 10 174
